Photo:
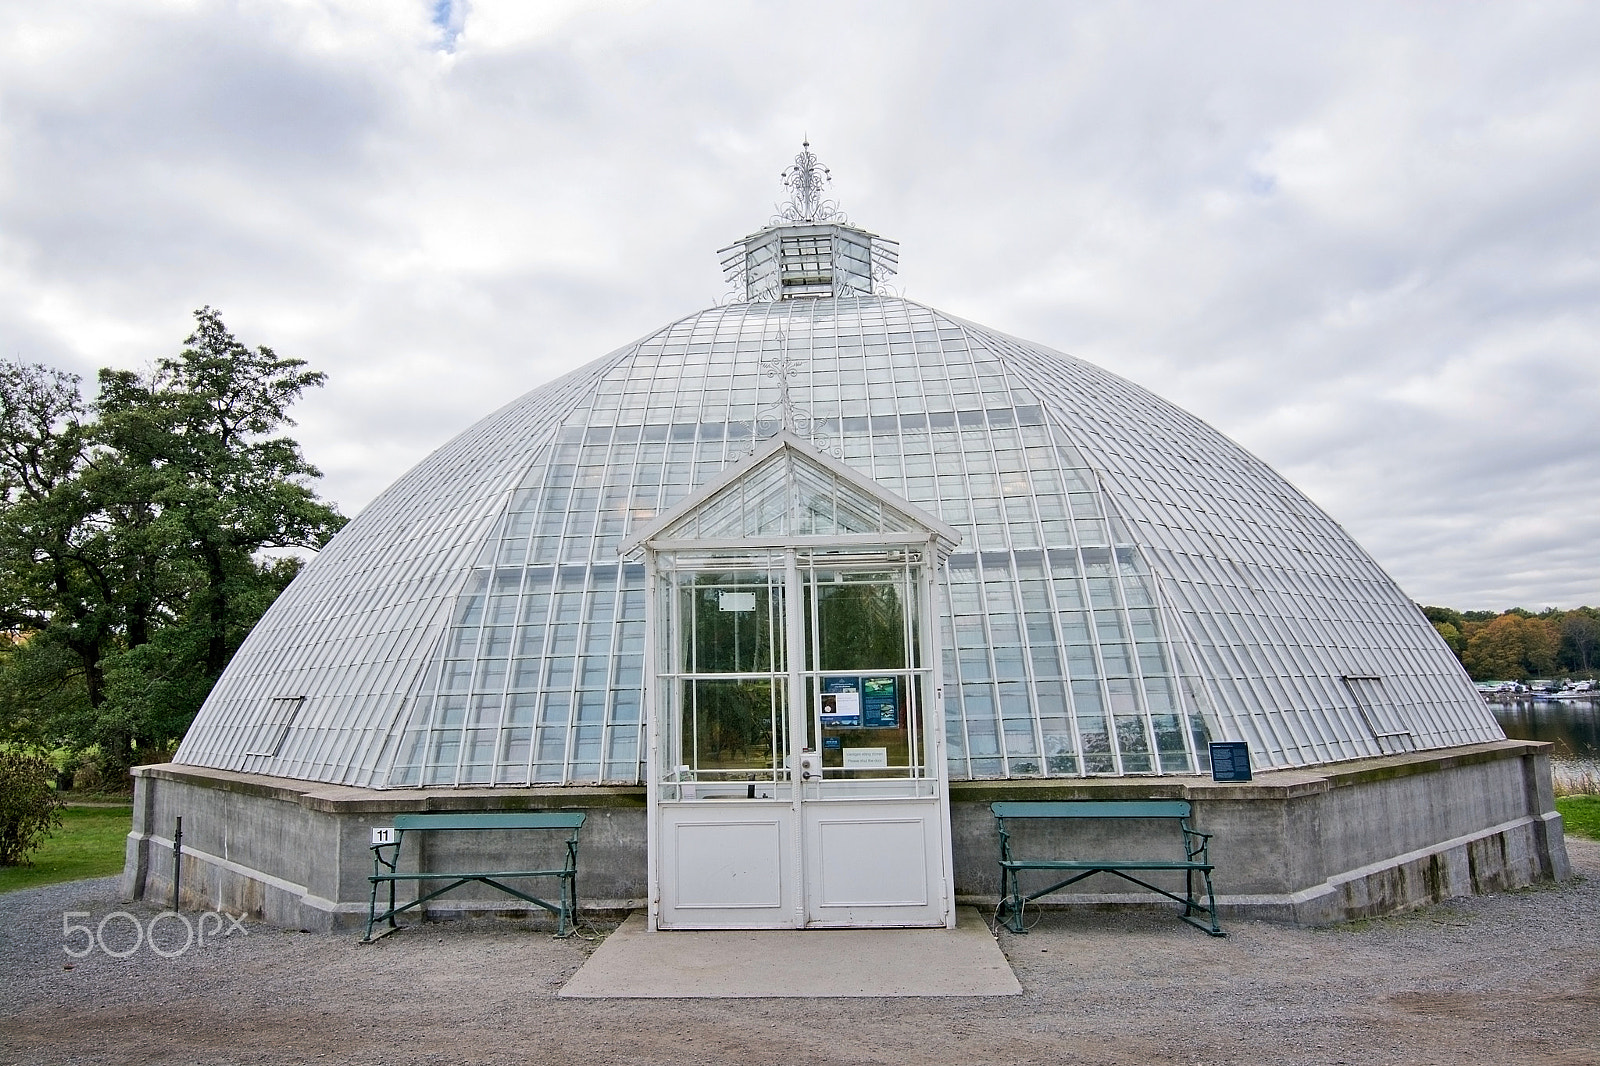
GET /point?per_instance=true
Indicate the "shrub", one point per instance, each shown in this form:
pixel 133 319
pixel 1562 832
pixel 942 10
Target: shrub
pixel 29 807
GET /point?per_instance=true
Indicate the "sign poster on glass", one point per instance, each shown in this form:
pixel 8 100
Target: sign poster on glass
pixel 865 758
pixel 880 709
pixel 841 703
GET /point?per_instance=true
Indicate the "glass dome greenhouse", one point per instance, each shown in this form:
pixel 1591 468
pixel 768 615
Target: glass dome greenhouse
pixel 1128 583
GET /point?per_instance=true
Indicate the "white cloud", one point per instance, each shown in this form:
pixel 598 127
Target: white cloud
pixel 1361 240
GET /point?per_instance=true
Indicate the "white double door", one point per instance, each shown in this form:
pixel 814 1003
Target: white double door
pixel 800 778
pixel 823 861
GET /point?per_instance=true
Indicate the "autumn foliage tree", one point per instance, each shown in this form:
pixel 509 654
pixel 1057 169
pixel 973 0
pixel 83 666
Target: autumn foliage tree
pixel 1512 647
pixel 1517 645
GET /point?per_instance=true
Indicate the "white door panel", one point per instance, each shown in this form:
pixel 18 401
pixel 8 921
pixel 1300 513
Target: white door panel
pixel 728 867
pixel 874 862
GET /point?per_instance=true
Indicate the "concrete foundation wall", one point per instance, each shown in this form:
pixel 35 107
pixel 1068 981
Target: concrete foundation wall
pixel 1309 846
pixel 297 854
pixel 1314 846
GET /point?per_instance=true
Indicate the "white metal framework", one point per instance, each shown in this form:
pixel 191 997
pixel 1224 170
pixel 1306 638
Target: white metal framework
pixel 794 702
pixel 1129 582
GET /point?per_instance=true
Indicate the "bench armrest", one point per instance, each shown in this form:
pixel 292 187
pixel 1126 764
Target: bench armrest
pixel 1195 843
pixel 388 862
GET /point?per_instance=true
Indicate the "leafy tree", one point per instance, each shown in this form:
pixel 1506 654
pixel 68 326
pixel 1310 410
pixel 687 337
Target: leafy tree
pixel 1580 639
pixel 57 573
pixel 1452 637
pixel 1512 647
pixel 42 692
pixel 1443 616
pixel 29 807
pixel 195 435
pixel 133 533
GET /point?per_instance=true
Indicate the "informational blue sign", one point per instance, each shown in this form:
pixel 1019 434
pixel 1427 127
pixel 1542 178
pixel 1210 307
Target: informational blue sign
pixel 841 703
pixel 880 705
pixel 1230 760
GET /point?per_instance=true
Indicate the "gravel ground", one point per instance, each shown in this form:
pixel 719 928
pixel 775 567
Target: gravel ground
pixel 1507 979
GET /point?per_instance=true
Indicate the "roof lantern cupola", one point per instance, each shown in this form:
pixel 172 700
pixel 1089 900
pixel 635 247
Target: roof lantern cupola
pixel 808 250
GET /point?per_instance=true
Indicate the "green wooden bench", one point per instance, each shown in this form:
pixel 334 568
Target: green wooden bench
pixel 386 859
pixel 1012 864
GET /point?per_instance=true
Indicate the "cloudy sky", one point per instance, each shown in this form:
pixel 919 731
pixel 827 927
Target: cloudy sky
pixel 1362 239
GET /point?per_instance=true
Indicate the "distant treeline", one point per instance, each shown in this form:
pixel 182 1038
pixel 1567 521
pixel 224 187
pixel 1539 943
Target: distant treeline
pixel 1516 645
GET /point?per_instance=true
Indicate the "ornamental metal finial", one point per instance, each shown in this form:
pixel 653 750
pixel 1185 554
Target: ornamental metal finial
pixel 805 181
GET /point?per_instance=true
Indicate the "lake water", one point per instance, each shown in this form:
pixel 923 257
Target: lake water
pixel 1573 726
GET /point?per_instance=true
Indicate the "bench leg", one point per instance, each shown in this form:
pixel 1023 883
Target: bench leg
pixel 569 900
pixel 564 918
pixel 1211 906
pixel 1009 912
pixel 1191 906
pixel 372 913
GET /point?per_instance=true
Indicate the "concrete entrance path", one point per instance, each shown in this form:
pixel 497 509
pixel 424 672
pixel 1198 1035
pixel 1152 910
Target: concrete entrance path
pixel 634 963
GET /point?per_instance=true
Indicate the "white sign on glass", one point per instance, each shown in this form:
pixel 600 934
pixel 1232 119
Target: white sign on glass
pixel 865 758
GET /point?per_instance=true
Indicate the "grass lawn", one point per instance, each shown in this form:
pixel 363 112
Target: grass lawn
pixel 1581 814
pixel 89 843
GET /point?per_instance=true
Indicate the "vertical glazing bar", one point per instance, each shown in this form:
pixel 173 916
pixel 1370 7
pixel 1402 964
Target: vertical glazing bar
pixel 653 756
pixel 775 625
pixel 794 642
pixel 934 729
pixel 911 580
pixel 671 670
pixel 686 668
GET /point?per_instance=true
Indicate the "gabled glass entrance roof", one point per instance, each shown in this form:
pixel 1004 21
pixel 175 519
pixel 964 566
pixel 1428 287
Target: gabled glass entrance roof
pixel 790 491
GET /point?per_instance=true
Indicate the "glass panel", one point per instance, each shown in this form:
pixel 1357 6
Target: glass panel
pixel 1134 744
pixel 858 620
pixel 1096 745
pixel 734 726
pixel 863 702
pixel 732 623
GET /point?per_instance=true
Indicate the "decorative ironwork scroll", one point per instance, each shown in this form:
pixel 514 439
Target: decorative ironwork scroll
pixel 782 368
pixel 806 180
